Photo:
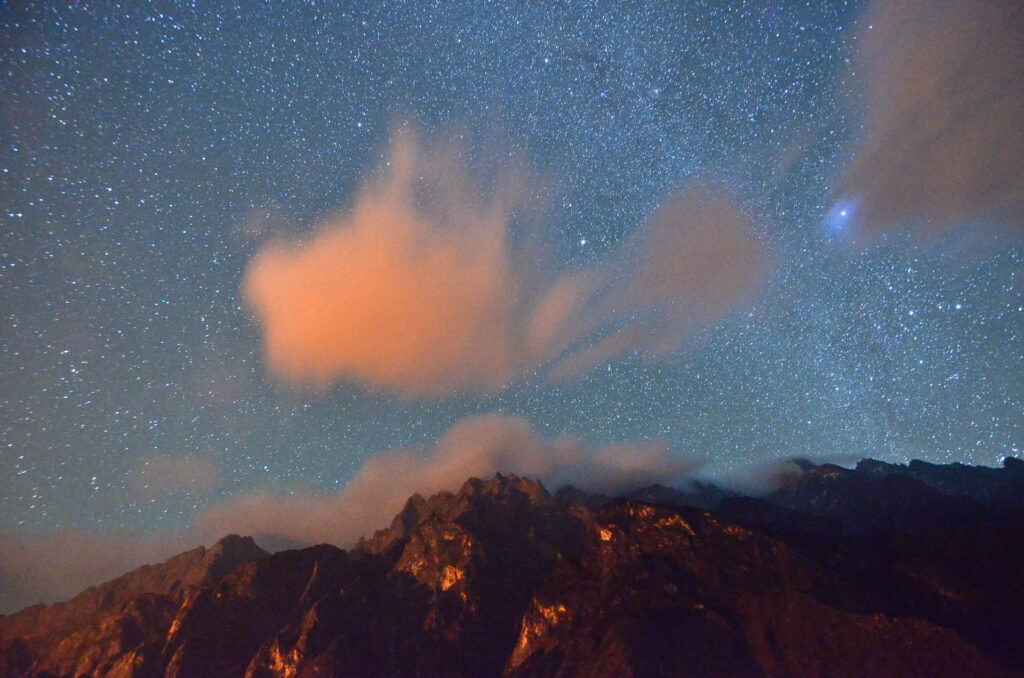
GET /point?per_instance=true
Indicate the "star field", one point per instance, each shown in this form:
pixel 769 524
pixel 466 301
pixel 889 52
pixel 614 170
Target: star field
pixel 146 150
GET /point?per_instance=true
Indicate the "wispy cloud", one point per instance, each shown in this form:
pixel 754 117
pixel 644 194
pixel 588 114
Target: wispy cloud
pixel 943 94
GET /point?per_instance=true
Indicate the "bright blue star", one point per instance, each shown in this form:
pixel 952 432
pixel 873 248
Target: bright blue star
pixel 842 216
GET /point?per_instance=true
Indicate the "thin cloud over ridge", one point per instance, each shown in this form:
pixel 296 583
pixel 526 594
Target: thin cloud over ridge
pixel 477 446
pixel 53 566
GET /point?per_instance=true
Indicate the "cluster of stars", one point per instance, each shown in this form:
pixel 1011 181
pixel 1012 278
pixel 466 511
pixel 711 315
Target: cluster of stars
pixel 144 155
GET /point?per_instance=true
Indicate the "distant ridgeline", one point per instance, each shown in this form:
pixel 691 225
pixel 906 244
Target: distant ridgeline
pixel 883 570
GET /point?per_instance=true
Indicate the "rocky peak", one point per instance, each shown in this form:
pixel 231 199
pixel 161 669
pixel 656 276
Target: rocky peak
pixel 507 495
pixel 505 486
pixel 504 514
pixel 221 558
pixel 386 540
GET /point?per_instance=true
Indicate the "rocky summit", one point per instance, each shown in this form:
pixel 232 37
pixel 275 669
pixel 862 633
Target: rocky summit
pixel 879 570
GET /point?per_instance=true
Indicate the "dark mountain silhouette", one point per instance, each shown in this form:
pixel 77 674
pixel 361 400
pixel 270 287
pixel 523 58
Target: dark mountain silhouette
pixel 874 571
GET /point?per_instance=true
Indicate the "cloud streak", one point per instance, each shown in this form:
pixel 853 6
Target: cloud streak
pixel 420 289
pixel 693 262
pixel 943 96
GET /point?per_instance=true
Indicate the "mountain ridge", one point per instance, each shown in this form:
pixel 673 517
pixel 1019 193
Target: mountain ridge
pixel 881 568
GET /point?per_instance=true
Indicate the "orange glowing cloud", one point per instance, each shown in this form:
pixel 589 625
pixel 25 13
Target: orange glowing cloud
pixel 419 291
pixel 417 301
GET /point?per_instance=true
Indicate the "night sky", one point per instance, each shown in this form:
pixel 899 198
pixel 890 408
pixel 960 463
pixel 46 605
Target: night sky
pixel 150 152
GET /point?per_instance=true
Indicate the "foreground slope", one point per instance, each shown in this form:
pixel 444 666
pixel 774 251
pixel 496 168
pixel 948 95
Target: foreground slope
pixel 878 570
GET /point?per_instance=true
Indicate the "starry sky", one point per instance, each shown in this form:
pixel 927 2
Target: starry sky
pixel 150 151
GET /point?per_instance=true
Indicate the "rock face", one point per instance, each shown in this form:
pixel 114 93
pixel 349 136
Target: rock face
pixel 876 571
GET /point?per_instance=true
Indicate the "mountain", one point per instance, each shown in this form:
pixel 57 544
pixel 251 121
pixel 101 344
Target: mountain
pixel 878 570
